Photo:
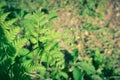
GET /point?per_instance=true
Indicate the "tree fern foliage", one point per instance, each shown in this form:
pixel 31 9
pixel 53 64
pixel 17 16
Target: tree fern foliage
pixel 30 51
pixel 44 41
pixel 8 52
pixel 5 50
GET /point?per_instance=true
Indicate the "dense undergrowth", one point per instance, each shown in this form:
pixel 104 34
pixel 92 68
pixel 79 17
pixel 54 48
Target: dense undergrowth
pixel 59 40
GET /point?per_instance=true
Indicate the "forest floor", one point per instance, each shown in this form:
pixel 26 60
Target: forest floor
pixel 69 19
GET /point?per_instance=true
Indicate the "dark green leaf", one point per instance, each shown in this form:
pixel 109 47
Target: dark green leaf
pixel 77 74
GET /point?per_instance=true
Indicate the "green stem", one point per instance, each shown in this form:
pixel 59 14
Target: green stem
pixel 29 52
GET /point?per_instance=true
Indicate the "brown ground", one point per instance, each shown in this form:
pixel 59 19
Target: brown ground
pixel 68 22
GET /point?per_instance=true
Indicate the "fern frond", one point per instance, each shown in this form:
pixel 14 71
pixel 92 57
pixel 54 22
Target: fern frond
pixel 20 43
pixel 13 33
pixel 3 17
pixel 9 23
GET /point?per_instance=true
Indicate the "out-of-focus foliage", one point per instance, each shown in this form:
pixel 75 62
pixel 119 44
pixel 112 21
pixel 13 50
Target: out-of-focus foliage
pixel 57 40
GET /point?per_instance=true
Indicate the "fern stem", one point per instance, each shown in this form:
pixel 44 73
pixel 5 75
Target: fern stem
pixel 29 52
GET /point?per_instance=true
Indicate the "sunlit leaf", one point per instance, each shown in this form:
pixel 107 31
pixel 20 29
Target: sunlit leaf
pixel 87 67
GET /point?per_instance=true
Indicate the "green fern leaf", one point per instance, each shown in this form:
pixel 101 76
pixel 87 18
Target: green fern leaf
pixel 3 17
